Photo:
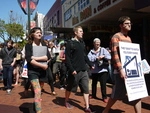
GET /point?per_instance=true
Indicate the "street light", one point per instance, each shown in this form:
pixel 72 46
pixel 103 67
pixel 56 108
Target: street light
pixel 28 6
pixel 11 18
pixel 28 16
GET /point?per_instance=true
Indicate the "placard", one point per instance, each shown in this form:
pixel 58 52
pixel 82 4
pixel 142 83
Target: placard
pixel 131 63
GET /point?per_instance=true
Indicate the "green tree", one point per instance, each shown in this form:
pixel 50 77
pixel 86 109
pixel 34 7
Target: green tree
pixel 14 31
pixel 2 30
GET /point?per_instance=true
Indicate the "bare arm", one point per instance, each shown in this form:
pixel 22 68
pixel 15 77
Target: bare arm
pixel 1 67
pixel 35 63
pixel 42 58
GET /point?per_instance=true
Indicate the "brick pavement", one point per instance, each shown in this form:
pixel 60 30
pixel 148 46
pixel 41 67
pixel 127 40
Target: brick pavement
pixel 16 103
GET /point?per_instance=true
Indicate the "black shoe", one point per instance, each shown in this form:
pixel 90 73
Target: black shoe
pixel 5 88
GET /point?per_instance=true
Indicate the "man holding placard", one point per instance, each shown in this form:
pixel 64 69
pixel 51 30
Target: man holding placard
pixel 119 90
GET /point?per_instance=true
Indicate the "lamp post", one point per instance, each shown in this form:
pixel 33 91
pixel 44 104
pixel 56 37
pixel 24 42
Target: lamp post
pixel 28 6
pixel 28 16
pixel 11 16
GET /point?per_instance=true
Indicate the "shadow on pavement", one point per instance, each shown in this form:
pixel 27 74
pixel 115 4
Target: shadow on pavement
pixel 145 106
pixel 61 102
pixel 26 108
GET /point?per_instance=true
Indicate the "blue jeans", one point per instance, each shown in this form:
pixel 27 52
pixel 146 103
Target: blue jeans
pixel 7 76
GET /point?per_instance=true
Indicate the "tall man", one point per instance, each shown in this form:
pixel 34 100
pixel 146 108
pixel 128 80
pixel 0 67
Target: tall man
pixel 7 62
pixel 119 90
pixel 76 60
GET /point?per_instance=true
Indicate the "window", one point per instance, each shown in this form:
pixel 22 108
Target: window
pixel 82 4
pixel 57 17
pixel 68 14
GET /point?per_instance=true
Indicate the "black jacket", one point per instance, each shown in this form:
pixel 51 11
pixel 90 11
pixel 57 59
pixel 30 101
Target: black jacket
pixel 29 54
pixel 7 56
pixel 76 58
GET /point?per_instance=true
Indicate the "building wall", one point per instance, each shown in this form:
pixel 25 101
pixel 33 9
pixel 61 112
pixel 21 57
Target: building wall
pixel 79 12
pixel 54 16
pixel 99 19
pixel 39 20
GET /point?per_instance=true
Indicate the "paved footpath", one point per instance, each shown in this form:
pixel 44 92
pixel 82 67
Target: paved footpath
pixel 16 103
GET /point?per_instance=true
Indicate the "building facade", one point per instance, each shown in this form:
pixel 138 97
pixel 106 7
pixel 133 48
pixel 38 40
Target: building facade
pixel 53 18
pixel 99 19
pixel 39 20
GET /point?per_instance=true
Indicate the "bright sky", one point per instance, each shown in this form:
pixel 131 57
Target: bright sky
pixel 6 6
pixel 12 5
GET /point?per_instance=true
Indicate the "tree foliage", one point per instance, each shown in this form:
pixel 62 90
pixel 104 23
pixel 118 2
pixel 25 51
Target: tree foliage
pixel 15 31
pixel 2 30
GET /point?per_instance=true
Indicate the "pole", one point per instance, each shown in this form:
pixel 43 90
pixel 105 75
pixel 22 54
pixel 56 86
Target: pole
pixel 28 16
pixel 11 16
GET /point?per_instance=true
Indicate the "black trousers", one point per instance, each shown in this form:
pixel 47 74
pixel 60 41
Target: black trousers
pixel 50 79
pixel 63 72
pixel 102 78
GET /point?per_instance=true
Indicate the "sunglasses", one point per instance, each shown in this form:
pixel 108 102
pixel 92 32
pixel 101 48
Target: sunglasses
pixel 128 23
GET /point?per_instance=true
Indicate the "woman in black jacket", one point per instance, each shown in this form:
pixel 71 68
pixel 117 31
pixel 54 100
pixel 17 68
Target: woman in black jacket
pixel 37 55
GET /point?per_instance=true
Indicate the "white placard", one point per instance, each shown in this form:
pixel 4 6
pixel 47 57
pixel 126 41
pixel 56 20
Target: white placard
pixel 145 66
pixel 131 62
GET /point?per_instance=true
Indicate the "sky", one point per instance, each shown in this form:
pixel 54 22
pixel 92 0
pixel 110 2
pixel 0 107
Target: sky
pixel 6 6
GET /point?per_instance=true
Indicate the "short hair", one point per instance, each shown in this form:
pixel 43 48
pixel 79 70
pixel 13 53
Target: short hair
pixel 96 39
pixel 122 19
pixel 10 41
pixel 75 29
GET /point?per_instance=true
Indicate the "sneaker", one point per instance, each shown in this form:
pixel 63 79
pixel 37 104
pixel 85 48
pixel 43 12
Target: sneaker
pixel 105 100
pixel 68 105
pixel 89 110
pixel 54 93
pixel 62 88
pixel 8 91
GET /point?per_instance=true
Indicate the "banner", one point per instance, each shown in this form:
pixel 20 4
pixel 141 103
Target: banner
pixel 24 73
pixel 24 5
pixel 131 63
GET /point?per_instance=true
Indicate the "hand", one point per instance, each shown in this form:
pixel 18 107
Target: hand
pixel 1 67
pixel 122 74
pixel 44 67
pixel 93 67
pixel 100 57
pixel 12 64
pixel 33 58
pixel 74 73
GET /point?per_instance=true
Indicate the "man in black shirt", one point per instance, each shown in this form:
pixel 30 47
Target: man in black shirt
pixel 7 62
pixel 76 60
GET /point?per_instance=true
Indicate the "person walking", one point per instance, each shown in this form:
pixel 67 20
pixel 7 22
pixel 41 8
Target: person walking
pixel 100 72
pixel 63 69
pixel 119 90
pixel 76 60
pixel 36 55
pixel 7 62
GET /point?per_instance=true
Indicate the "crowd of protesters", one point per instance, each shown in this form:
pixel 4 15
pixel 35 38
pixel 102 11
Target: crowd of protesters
pixel 64 65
